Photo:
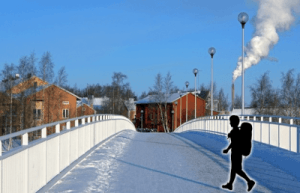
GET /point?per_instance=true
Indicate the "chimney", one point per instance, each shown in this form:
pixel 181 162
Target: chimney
pixel 232 96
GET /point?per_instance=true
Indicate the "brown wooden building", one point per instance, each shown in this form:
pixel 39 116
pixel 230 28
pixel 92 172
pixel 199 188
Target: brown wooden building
pixel 84 109
pixel 37 102
pixel 177 106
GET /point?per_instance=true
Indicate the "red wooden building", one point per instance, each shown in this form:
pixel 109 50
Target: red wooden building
pixel 177 106
pixel 38 102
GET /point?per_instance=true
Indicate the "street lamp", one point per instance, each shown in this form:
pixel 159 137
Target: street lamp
pixel 186 85
pixel 172 120
pixel 17 76
pixel 142 119
pixel 180 94
pixel 195 71
pixel 212 52
pixel 243 18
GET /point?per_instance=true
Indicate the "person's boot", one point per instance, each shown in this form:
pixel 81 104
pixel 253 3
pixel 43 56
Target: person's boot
pixel 250 185
pixel 227 186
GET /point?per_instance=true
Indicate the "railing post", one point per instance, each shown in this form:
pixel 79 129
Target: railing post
pixel 25 139
pixel 83 121
pixel 279 120
pixel 261 118
pixel 76 123
pixel 89 119
pixel 57 128
pixel 0 148
pixel 290 143
pixel 270 119
pixel 68 125
pixel 298 140
pixel 44 132
pixel 254 118
pixel 248 118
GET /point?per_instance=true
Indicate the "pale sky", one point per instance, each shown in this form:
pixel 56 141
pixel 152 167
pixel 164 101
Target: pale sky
pixel 140 39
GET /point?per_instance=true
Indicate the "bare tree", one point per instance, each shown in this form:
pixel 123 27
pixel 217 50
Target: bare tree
pixel 262 93
pixel 46 73
pixel 118 84
pixel 61 80
pixel 10 109
pixel 290 93
pixel 162 87
pixel 46 67
pixel 237 102
pixel 62 77
pixel 223 101
pixel 26 69
pixel 143 95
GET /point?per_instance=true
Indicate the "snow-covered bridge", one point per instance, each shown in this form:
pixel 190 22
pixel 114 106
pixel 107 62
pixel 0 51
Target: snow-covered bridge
pixel 108 155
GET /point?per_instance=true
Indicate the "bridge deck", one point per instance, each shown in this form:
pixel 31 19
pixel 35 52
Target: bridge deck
pixel 157 162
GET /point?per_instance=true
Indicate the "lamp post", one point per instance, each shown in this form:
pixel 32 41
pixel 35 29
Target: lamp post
pixel 179 92
pixel 212 52
pixel 142 119
pixel 134 120
pixel 195 71
pixel 243 18
pixel 186 85
pixel 175 115
pixel 6 80
pixel 172 120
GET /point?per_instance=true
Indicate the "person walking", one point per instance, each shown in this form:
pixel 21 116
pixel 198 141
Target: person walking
pixel 236 155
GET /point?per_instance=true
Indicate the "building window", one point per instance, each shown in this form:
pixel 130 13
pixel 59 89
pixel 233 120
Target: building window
pixel 37 113
pixel 83 109
pixel 65 113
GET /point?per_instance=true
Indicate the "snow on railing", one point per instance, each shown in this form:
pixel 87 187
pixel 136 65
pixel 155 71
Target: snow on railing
pixel 279 131
pixel 32 165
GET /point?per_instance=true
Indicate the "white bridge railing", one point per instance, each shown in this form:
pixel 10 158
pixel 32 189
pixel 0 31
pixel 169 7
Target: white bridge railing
pixel 32 165
pixel 283 133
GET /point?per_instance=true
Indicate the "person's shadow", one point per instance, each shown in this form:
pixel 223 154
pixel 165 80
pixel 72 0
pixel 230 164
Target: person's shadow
pixel 238 147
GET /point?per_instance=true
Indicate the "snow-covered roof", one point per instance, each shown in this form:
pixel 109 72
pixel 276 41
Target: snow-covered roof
pixel 31 91
pixel 97 102
pixel 151 98
pixel 247 111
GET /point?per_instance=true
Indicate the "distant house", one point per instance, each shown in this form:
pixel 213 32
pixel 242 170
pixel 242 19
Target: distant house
pixel 97 103
pixel 85 109
pixel 182 106
pixel 206 95
pixel 52 103
pixel 39 102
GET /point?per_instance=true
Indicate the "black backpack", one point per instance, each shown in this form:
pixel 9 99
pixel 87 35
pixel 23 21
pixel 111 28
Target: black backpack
pixel 246 138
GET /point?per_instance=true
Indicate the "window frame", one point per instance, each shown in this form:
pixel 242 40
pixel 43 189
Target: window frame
pixel 63 113
pixel 37 115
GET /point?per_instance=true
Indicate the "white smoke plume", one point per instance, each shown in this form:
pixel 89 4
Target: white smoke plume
pixel 272 16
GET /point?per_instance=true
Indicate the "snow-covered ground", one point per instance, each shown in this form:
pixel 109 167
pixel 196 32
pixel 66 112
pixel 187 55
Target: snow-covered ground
pixel 157 162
